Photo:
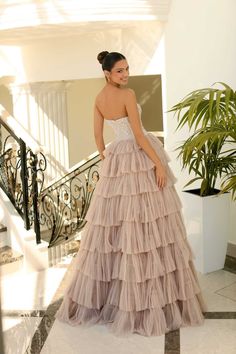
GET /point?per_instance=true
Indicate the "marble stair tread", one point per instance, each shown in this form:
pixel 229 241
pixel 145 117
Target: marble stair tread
pixel 3 228
pixel 73 247
pixel 8 255
pixel 45 235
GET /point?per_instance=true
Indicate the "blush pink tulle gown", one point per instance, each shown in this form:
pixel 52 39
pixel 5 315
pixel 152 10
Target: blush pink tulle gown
pixel 134 270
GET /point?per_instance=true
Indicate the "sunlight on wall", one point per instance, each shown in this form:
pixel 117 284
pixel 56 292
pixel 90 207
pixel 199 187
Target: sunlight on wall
pixel 18 129
pixel 11 63
pixel 157 62
pixel 35 12
pixel 41 110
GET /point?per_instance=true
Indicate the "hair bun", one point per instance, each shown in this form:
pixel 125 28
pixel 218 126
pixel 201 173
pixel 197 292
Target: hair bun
pixel 101 56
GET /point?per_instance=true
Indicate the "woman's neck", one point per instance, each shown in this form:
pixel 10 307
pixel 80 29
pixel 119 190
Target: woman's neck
pixel 114 84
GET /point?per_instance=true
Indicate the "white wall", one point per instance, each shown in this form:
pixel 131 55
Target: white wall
pixel 199 50
pixel 69 58
pixel 80 101
pixel 74 57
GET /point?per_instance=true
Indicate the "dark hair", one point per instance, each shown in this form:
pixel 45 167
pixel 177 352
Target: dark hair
pixel 108 60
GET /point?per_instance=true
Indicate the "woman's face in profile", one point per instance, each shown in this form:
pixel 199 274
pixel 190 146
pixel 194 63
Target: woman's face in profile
pixel 120 72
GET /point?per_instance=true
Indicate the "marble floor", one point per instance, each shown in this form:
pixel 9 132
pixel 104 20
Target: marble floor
pixel 30 327
pixel 25 298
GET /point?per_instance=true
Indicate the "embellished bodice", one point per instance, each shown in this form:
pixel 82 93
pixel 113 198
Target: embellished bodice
pixel 122 127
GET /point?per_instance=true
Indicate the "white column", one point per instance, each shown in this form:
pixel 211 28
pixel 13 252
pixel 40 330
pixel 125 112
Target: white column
pixel 41 108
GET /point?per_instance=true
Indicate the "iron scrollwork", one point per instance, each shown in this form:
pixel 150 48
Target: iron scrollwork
pixel 36 166
pixel 56 212
pixel 10 172
pixel 64 205
pixel 21 176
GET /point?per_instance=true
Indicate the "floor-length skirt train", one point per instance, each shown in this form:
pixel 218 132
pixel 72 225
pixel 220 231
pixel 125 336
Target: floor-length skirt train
pixel 134 270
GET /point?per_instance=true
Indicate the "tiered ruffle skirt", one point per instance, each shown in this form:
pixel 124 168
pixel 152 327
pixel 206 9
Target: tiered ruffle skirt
pixel 134 270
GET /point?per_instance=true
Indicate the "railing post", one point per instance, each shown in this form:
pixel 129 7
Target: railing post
pixel 19 176
pixel 0 138
pixel 35 197
pixel 24 179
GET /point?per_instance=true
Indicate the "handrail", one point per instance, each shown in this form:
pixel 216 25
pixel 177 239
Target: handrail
pixel 58 211
pixel 63 205
pixel 79 166
pixel 20 132
pixel 9 129
pixel 21 173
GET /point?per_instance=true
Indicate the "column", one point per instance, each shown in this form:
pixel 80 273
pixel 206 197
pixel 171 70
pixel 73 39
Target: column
pixel 41 108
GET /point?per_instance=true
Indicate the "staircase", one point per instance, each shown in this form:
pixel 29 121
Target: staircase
pixel 19 241
pixel 3 235
pixel 10 260
pixel 39 225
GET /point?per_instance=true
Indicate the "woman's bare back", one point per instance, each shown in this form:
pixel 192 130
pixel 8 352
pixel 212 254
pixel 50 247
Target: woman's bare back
pixel 111 102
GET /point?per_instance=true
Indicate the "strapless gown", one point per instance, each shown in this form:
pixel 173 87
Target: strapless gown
pixel 134 270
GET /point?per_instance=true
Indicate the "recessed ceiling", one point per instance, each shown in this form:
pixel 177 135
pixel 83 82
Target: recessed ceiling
pixel 28 20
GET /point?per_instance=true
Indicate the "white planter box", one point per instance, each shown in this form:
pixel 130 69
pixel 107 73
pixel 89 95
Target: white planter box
pixel 207 224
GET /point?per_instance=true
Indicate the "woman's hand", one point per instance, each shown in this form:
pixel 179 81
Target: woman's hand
pixel 102 157
pixel 161 177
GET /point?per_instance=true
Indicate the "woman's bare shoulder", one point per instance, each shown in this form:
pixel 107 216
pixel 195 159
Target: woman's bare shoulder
pixel 99 96
pixel 128 91
pixel 126 94
pixel 129 94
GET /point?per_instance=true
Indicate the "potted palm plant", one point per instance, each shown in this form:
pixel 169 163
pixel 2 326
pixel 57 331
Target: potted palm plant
pixel 209 154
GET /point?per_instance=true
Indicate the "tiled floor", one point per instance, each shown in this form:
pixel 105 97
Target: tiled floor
pixel 97 340
pixel 216 336
pixel 25 298
pixel 18 332
pixel 214 285
pixel 32 291
pixel 220 297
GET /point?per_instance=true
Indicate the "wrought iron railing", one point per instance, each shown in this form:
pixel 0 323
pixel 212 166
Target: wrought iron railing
pixel 57 212
pixel 21 176
pixel 63 205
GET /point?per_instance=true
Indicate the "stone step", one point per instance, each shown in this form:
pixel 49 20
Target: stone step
pixel 3 228
pixel 57 253
pixel 3 235
pixel 10 261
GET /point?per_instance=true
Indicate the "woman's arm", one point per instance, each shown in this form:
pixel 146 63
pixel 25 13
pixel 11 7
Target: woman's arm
pixel 133 116
pixel 98 130
pixel 142 141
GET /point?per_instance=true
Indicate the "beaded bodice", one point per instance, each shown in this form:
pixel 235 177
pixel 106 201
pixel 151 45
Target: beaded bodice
pixel 122 127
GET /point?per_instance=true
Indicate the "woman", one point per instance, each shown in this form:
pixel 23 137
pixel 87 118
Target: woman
pixel 134 270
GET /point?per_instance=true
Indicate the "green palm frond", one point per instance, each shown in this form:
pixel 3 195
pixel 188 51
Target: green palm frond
pixel 229 185
pixel 205 107
pixel 210 151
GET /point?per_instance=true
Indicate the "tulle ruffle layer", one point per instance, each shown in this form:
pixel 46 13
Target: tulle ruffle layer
pixel 134 270
pixel 141 208
pixel 134 296
pixel 131 183
pixel 134 267
pixel 148 322
pixel 126 156
pixel 128 236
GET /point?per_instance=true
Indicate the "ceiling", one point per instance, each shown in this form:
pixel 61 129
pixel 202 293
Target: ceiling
pixel 27 20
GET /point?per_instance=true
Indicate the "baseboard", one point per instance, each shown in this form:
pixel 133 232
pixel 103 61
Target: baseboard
pixel 231 249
